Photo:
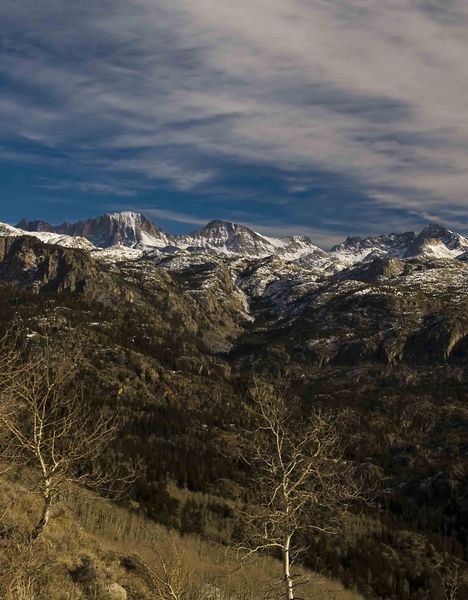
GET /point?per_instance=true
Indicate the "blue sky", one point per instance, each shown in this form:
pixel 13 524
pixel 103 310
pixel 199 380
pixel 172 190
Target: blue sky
pixel 320 117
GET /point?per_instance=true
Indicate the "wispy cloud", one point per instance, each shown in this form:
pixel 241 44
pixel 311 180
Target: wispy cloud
pixel 171 215
pixel 186 91
pixel 323 237
pixel 92 187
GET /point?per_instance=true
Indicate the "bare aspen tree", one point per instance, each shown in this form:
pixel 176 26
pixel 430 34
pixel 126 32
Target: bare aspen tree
pixel 51 432
pixel 301 480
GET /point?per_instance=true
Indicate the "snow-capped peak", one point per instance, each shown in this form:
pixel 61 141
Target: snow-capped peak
pixel 433 241
pixel 126 228
pixel 356 249
pixel 438 242
pixel 127 217
pixel 453 241
pixel 226 238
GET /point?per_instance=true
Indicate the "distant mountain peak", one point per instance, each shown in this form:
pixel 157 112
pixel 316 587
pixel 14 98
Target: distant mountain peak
pixel 125 213
pixel 125 228
pixel 127 216
pixel 434 230
pixel 37 225
pixel 228 238
pixel 437 242
pixel 225 228
pixel 219 223
pixel 355 249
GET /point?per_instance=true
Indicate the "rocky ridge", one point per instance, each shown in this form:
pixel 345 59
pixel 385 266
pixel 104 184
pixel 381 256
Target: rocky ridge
pixel 389 298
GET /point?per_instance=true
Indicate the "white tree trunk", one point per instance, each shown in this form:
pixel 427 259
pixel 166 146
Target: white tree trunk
pixel 287 568
pixel 42 523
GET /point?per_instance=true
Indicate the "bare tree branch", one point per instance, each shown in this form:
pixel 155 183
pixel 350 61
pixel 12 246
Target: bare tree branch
pixel 301 479
pixel 49 427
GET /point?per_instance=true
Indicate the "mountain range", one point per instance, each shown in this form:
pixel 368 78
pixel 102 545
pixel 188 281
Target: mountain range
pixel 335 303
pixel 135 231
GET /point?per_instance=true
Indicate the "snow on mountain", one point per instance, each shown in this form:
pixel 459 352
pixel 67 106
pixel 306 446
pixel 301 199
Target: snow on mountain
pixel 276 286
pixel 435 241
pixel 133 230
pixel 130 229
pixel 126 228
pixel 429 248
pixel 180 261
pixel 453 241
pixel 130 235
pixel 226 238
pixel 117 253
pixel 66 241
pixel 231 239
pixel 356 249
pixel 295 247
pixel 8 230
pixel 256 274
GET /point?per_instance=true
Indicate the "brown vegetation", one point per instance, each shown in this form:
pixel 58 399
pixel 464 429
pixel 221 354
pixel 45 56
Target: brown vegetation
pixel 95 550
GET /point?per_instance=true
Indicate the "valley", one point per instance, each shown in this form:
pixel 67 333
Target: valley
pixel 171 329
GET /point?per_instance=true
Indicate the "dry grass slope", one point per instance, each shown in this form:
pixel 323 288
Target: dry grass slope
pixel 94 550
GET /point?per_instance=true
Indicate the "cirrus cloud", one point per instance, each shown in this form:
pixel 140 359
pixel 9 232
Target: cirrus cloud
pixel 187 92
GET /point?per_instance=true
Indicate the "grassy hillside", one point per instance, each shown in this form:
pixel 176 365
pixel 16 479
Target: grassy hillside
pixel 95 550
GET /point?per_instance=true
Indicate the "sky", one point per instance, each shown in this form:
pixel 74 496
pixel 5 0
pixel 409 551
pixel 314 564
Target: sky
pixel 322 117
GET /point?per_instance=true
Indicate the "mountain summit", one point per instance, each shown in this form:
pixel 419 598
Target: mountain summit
pixel 228 238
pixel 435 241
pixel 121 228
pixel 38 226
pixel 356 249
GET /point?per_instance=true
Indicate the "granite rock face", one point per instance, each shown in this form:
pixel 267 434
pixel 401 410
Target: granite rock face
pixel 30 263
